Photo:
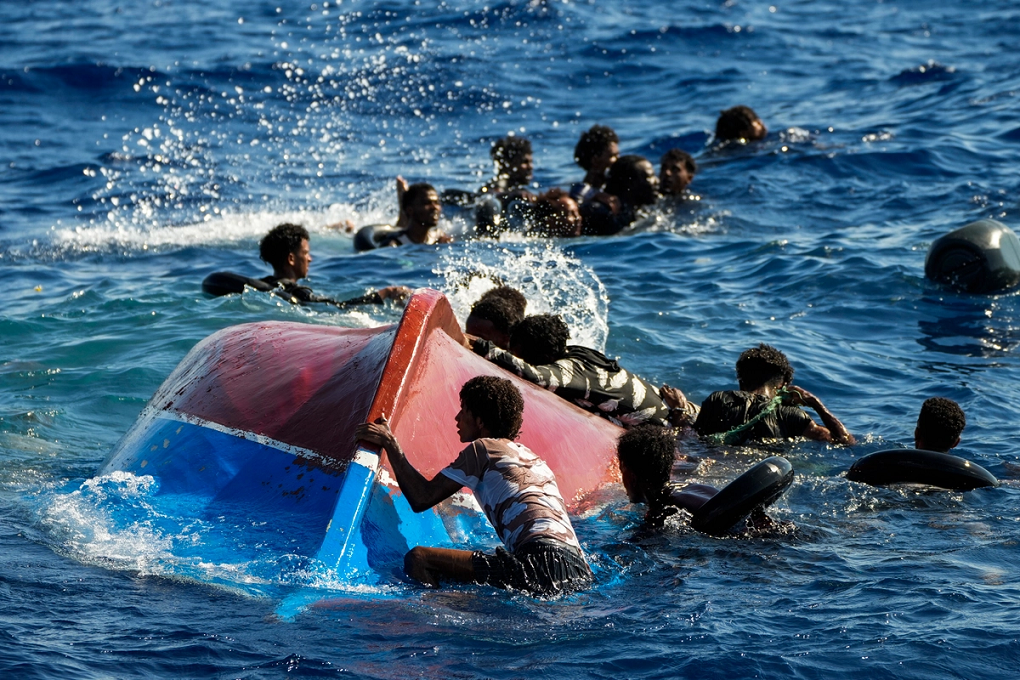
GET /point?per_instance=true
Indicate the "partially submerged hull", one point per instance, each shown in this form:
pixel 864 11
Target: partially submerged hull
pixel 258 420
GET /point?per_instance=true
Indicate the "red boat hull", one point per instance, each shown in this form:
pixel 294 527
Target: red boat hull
pixel 263 416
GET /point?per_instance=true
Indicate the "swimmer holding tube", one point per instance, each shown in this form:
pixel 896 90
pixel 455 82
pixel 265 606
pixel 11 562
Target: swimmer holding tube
pixel 646 454
pixel 286 248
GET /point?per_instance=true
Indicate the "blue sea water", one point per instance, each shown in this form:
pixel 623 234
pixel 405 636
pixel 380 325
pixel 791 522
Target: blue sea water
pixel 146 144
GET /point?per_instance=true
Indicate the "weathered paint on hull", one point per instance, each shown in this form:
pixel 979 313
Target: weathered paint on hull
pixel 263 415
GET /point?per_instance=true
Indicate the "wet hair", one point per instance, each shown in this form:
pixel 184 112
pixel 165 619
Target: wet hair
pixel 281 241
pixel 681 156
pixel 648 451
pixel 736 123
pixel 628 182
pixel 940 423
pixel 762 365
pixel 550 218
pixel 540 339
pixel 509 149
pixel 514 297
pixel 497 311
pixel 413 193
pixel 496 402
pixel 592 143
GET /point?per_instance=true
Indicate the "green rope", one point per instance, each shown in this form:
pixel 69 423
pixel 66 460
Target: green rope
pixel 732 437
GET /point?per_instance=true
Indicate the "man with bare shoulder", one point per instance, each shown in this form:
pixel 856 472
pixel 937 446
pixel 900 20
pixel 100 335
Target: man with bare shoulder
pixel 739 124
pixel 286 248
pixel 513 485
pixel 420 211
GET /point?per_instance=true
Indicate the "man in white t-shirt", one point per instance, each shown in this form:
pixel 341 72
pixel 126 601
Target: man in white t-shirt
pixel 513 485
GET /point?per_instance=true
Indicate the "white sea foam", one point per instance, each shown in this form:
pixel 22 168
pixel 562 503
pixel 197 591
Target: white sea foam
pixel 553 281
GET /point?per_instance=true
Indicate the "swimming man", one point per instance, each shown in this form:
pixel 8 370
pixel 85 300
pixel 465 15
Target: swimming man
pixel 420 211
pixel 676 171
pixel 646 454
pixel 754 412
pixel 286 248
pixel 596 150
pixel 739 123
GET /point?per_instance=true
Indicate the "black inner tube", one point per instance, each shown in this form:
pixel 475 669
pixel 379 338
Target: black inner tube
pixel 759 487
pixel 916 466
pixel 226 283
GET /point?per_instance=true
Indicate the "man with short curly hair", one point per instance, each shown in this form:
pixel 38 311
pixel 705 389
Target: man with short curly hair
pixel 754 412
pixel 596 150
pixel 492 319
pixel 286 248
pixel 939 425
pixel 514 298
pixel 513 485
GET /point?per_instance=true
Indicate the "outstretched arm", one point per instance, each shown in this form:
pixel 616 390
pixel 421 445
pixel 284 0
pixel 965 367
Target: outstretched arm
pixel 402 216
pixel 834 431
pixel 540 375
pixel 421 493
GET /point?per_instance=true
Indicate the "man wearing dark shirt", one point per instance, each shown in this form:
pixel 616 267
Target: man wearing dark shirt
pixel 286 248
pixel 759 410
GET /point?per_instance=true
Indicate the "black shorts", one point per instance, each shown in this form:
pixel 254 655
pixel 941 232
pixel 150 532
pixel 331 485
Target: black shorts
pixel 541 567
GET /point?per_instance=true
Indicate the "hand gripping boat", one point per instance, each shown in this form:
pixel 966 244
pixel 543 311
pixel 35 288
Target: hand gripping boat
pixel 257 423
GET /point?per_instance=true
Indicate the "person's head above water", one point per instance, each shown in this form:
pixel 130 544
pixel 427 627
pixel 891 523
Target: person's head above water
pixel 597 149
pixel 493 319
pixel 939 425
pixel 676 172
pixel 557 214
pixel 285 248
pixel 740 122
pixel 540 339
pixel 632 179
pixel 513 159
pixel 646 454
pixel 763 365
pixel 420 203
pixel 491 407
pixel 514 297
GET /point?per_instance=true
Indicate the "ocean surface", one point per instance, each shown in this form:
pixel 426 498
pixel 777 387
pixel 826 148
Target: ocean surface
pixel 146 144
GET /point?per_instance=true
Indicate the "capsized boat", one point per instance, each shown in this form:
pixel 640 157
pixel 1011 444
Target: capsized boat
pixel 257 423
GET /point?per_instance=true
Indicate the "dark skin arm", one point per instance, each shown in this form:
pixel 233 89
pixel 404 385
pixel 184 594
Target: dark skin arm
pixel 421 493
pixel 681 411
pixel 398 293
pixel 834 431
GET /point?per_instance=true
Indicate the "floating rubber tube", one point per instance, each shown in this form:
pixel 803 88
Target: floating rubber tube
pixel 225 283
pixel 982 257
pixel 916 466
pixel 373 236
pixel 759 487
